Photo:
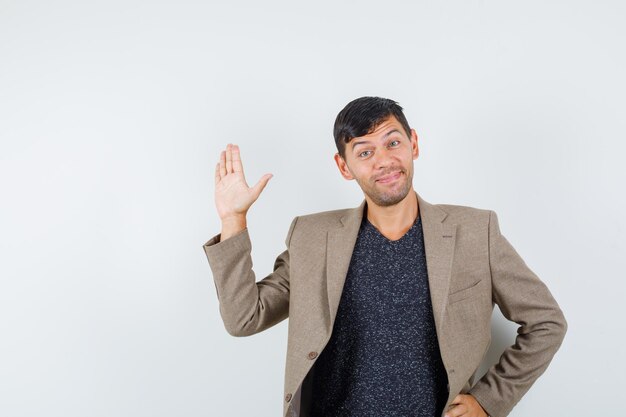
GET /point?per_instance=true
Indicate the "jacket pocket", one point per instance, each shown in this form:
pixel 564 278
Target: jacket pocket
pixel 465 292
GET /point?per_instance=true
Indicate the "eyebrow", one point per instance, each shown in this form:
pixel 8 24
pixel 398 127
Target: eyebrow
pixel 355 144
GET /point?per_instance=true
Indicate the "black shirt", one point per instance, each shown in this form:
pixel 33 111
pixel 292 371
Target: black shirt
pixel 383 357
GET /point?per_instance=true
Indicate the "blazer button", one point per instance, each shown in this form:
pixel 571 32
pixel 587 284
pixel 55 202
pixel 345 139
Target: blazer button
pixel 288 397
pixel 312 355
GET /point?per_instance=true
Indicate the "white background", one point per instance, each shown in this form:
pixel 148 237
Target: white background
pixel 112 118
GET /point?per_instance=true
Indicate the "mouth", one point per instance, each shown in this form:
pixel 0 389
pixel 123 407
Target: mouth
pixel 389 178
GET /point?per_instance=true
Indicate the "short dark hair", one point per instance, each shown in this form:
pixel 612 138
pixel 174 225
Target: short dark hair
pixel 361 116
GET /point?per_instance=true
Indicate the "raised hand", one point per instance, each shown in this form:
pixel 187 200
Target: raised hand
pixel 233 196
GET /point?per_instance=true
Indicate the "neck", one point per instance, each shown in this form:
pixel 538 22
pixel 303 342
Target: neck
pixel 396 219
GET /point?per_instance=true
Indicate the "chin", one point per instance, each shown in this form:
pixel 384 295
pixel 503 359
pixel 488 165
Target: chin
pixel 385 199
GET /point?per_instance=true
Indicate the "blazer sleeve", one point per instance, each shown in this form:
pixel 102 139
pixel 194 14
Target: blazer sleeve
pixel 246 306
pixel 525 299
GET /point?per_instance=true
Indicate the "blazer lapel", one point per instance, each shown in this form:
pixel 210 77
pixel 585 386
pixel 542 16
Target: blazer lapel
pixel 339 247
pixel 439 242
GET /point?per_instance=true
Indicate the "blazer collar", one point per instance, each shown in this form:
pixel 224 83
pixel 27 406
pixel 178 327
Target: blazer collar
pixel 439 239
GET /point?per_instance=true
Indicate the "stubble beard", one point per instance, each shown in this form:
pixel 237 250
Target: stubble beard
pixel 391 197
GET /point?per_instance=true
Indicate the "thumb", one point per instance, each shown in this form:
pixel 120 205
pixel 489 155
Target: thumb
pixel 259 186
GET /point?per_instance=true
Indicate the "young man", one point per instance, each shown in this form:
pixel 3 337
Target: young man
pixel 389 303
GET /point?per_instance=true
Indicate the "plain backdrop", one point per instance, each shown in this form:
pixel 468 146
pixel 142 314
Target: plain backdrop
pixel 112 118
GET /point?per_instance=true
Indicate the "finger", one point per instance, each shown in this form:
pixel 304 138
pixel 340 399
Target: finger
pixel 259 186
pixel 223 164
pixel 229 159
pixel 237 166
pixel 458 399
pixel 218 177
pixel 456 410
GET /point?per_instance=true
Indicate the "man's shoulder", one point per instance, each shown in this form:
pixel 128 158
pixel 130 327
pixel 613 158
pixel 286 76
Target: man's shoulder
pixel 462 210
pixel 329 217
pixel 462 213
pixel 312 227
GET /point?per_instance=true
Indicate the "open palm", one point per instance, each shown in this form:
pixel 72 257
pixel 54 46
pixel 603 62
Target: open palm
pixel 233 196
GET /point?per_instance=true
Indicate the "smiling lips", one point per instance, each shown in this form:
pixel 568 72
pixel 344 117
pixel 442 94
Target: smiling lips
pixel 389 178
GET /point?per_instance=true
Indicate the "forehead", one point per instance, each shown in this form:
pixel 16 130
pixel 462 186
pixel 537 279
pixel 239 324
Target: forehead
pixel 388 127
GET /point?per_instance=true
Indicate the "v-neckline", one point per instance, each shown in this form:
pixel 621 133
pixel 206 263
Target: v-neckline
pixel 417 219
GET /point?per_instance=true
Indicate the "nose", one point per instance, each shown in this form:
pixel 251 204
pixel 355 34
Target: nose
pixel 383 158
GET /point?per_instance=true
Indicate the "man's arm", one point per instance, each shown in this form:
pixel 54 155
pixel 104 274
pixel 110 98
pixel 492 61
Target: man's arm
pixel 246 306
pixel 526 300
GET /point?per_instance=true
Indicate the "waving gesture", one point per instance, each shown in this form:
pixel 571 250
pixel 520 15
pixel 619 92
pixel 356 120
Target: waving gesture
pixel 233 197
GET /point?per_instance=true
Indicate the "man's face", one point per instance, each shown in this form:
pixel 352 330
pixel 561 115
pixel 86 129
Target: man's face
pixel 381 162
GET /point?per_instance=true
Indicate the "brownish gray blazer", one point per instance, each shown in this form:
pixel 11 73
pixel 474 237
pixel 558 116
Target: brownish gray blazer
pixel 470 264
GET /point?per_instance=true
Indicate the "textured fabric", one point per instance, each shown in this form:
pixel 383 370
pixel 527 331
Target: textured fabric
pixel 384 345
pixel 471 266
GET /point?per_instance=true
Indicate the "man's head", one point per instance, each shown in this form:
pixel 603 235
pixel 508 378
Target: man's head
pixel 375 144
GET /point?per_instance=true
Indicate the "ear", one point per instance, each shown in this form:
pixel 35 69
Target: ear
pixel 414 148
pixel 343 167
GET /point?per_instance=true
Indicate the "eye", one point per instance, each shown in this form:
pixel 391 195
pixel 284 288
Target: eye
pixel 361 154
pixel 395 141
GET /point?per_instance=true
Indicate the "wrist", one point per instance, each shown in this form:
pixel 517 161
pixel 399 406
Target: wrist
pixel 232 225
